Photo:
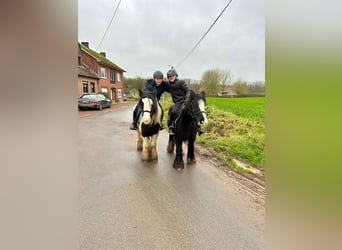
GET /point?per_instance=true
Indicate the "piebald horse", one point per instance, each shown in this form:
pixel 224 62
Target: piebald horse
pixel 148 125
pixel 190 117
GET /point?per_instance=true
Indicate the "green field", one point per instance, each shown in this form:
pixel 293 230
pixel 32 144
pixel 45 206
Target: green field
pixel 235 130
pixel 251 108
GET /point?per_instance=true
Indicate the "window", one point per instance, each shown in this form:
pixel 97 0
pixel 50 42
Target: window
pixel 85 86
pixel 119 93
pixel 112 75
pixel 92 87
pixel 103 73
pixel 100 97
pixel 104 90
pixel 119 77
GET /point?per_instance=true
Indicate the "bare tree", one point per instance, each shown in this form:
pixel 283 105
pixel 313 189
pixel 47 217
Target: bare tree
pixel 216 80
pixel 256 88
pixel 210 81
pixel 225 79
pixel 193 84
pixel 240 87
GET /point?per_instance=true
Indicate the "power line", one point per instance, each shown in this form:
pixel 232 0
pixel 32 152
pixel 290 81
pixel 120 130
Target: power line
pixel 109 25
pixel 192 50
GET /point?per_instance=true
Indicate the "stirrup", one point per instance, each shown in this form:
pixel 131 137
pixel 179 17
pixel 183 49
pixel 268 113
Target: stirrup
pixel 171 130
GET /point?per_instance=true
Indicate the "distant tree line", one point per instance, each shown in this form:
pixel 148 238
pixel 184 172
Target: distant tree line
pixel 219 82
pixel 134 83
pixel 215 82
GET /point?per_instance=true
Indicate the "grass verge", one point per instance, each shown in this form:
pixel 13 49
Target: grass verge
pixel 235 133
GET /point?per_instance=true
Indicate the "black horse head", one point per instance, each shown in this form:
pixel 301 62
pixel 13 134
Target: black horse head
pixel 196 107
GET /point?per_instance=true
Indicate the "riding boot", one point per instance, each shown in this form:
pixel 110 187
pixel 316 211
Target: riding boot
pixel 133 126
pixel 134 123
pixel 170 123
pixel 161 119
pixel 171 126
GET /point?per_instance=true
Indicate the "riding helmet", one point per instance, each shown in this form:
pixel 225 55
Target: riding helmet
pixel 158 74
pixel 172 72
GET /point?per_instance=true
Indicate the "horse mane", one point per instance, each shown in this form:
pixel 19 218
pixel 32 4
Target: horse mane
pixel 202 96
pixel 194 97
pixel 189 100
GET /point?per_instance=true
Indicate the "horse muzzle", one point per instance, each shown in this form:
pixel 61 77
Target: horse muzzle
pixel 203 120
pixel 146 120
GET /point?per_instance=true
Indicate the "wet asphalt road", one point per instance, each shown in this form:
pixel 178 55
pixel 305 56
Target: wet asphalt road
pixel 128 204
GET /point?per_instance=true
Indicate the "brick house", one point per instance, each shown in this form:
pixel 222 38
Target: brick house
pixel 109 76
pixel 88 80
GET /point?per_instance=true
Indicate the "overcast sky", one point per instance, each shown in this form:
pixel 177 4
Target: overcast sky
pixel 146 35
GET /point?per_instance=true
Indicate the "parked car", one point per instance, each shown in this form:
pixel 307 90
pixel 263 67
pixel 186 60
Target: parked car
pixel 93 101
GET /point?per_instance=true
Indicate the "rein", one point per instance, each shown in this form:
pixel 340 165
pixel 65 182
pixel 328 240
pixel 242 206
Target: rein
pixel 192 114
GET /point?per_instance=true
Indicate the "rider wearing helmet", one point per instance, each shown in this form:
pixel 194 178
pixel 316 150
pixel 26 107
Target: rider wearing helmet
pixel 180 92
pixel 156 83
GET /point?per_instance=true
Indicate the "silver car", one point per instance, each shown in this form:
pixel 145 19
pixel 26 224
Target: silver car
pixel 93 101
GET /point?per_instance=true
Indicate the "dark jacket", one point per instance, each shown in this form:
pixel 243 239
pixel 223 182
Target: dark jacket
pixel 178 90
pixel 151 85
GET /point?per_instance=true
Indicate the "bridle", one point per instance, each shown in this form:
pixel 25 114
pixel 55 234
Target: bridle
pixel 152 106
pixel 194 114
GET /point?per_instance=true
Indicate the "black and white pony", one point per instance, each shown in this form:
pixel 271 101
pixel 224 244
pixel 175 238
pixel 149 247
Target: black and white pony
pixel 148 125
pixel 186 126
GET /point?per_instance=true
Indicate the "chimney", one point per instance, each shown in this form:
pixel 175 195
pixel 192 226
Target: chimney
pixel 103 54
pixel 86 44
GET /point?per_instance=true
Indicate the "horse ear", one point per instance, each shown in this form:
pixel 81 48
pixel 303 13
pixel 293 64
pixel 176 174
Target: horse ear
pixel 203 93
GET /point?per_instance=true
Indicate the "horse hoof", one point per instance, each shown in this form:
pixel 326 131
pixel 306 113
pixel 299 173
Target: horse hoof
pixel 178 166
pixel 145 159
pixel 191 161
